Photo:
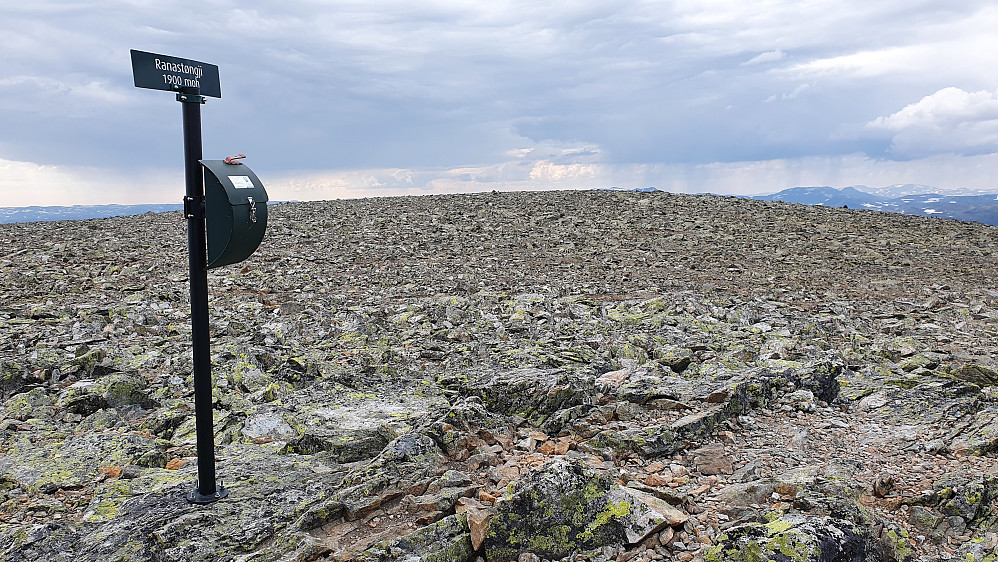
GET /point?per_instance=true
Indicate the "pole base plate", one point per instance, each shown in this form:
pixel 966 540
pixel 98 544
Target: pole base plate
pixel 195 496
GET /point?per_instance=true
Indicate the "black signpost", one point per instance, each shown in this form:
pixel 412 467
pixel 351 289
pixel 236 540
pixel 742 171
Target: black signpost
pixel 192 80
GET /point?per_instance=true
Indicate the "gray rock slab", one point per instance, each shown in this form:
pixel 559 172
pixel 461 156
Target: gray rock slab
pixel 49 461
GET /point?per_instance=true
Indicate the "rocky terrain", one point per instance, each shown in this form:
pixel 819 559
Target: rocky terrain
pixel 570 376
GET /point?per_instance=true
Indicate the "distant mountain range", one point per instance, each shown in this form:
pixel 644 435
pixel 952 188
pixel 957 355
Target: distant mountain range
pixel 901 189
pixel 910 199
pixel 906 199
pixel 77 212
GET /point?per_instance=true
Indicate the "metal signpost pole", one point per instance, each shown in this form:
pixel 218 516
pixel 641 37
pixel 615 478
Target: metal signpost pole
pixel 194 80
pixel 194 210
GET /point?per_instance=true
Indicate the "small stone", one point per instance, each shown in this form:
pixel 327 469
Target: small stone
pixel 657 480
pixel 711 459
pixel 546 448
pixel 111 471
pixel 505 473
pixel 801 400
pixel 478 516
pixel 883 485
pixel 719 396
pixel 666 537
pixel 650 541
pixel 654 466
pixel 873 401
pixel 130 471
pixel 613 378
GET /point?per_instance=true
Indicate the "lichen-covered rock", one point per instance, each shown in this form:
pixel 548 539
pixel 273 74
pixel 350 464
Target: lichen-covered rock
pixel 343 446
pixel 626 329
pixel 47 465
pixel 13 378
pixel 533 394
pixel 36 403
pixel 959 504
pixel 894 544
pixel 740 392
pixel 553 512
pixel 981 375
pixel 79 399
pixel 648 513
pixel 651 440
pixel 965 502
pixel 35 542
pixel 164 421
pixel 564 507
pixel 401 468
pixel 148 518
pixel 676 358
pixel 122 389
pixel 977 550
pixel 115 390
pixel 795 538
pixel 467 425
pixel 264 427
pixel 345 425
pixel 978 437
pixel 447 540
pixel 818 489
pixel 86 364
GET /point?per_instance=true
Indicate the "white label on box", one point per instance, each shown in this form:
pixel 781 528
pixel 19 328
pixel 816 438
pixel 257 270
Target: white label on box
pixel 241 182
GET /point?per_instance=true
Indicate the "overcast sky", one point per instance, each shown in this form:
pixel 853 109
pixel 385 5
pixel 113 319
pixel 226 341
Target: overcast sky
pixel 368 98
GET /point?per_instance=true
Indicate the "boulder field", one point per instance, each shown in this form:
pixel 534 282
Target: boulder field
pixel 554 376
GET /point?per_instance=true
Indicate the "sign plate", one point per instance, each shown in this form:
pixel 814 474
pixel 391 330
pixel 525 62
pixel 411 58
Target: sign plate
pixel 160 72
pixel 241 182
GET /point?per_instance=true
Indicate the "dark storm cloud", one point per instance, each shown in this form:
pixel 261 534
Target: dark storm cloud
pixel 440 85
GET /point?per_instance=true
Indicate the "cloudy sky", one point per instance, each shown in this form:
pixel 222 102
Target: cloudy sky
pixel 367 98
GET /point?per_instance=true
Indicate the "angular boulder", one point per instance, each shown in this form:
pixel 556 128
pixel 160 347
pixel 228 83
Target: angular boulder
pixel 447 540
pixel 532 393
pixel 801 538
pixel 565 507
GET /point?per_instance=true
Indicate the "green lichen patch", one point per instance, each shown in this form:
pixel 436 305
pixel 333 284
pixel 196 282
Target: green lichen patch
pixel 559 509
pixel 47 465
pixel 793 538
pixel 980 375
pixel 36 403
pixel 121 389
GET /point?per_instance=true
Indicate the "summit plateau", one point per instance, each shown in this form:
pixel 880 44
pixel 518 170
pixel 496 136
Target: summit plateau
pixel 554 376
